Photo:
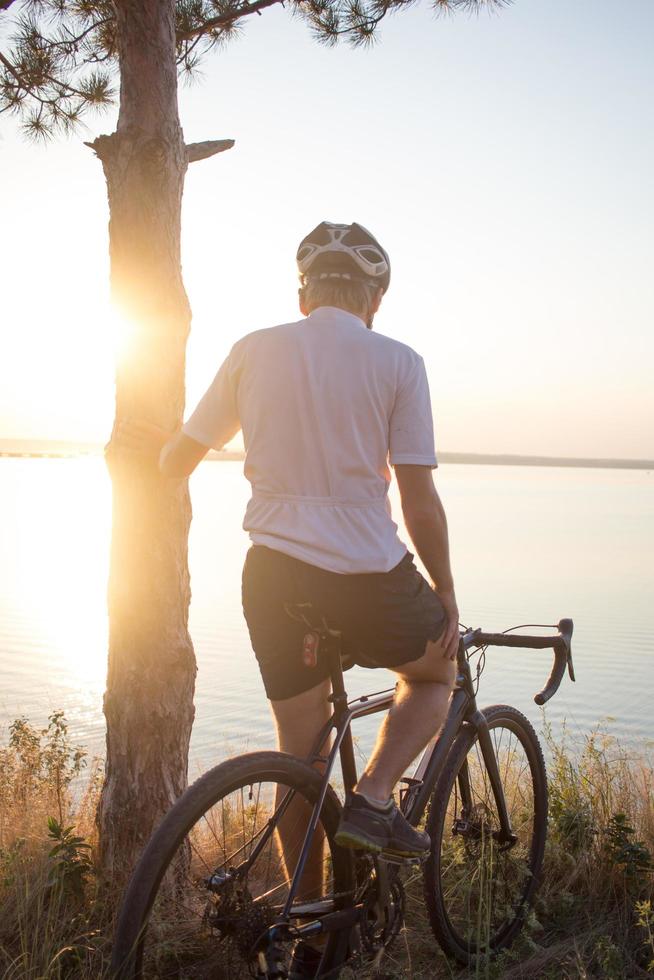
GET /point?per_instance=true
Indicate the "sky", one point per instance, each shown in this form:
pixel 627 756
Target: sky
pixel 504 161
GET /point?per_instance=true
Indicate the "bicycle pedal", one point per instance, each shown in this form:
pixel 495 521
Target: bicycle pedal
pixel 400 861
pixel 271 966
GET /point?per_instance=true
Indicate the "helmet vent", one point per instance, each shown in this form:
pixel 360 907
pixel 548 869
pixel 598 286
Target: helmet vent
pixel 333 246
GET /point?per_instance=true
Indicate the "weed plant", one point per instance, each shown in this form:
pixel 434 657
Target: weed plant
pixel 51 924
pixel 593 917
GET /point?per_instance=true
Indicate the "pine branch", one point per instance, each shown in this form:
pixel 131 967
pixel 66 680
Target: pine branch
pixel 469 6
pixel 50 74
pixel 226 19
pixel 10 68
pixel 187 61
pixel 51 77
pixel 72 41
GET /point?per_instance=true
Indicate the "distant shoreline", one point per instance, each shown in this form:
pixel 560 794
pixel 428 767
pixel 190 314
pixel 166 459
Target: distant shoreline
pixel 506 459
pixel 51 449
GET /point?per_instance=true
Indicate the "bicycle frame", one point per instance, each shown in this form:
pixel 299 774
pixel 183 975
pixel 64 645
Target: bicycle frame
pixel 462 710
pixel 369 892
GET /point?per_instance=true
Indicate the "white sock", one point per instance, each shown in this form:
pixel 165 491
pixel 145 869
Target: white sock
pixel 376 804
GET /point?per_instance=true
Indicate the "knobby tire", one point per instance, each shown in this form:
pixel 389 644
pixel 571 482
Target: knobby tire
pixel 231 778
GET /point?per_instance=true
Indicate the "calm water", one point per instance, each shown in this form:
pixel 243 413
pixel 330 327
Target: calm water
pixel 528 544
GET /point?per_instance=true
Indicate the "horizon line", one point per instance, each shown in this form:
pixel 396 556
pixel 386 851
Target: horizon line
pixel 64 448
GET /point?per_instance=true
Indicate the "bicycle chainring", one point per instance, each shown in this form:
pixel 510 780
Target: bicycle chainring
pixel 375 935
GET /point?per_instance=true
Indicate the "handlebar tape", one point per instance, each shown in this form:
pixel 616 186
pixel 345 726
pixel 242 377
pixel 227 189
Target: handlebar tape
pixel 562 652
pixel 562 659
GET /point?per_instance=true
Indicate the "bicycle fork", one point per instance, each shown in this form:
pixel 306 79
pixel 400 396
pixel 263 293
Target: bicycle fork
pixel 505 834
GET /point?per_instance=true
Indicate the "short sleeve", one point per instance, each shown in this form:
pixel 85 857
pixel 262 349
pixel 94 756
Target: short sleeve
pixel 215 421
pixel 411 427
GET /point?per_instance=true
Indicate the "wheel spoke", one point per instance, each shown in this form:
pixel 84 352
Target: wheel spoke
pixel 208 928
pixel 483 883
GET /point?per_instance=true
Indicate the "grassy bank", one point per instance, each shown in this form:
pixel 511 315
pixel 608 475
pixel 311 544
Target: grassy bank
pixel 593 917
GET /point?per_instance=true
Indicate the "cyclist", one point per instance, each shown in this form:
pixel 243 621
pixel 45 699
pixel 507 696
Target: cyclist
pixel 325 404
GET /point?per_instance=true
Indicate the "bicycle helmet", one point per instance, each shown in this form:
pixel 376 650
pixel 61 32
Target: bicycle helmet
pixel 343 252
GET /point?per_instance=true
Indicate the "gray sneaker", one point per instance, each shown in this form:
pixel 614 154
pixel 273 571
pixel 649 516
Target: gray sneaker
pixel 382 830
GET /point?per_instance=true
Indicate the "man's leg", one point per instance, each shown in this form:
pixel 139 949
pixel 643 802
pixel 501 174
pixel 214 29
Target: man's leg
pixel 299 720
pixel 417 713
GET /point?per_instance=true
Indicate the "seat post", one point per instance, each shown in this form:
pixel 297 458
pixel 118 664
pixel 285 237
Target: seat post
pixel 338 697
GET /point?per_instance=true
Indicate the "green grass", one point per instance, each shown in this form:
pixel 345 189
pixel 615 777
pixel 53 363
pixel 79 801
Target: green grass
pixel 593 917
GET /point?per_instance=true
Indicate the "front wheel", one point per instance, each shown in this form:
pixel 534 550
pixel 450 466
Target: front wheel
pixel 478 887
pixel 212 879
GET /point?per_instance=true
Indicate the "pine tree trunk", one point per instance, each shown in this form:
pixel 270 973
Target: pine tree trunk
pixel 149 698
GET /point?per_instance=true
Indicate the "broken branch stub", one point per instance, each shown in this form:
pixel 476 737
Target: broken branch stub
pixel 209 148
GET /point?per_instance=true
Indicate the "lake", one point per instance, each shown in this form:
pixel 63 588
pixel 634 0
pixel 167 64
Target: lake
pixel 529 545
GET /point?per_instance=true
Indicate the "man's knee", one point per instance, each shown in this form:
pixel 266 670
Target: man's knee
pixel 432 667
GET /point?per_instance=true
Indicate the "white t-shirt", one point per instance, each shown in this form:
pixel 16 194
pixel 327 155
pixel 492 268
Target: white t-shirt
pixel 324 405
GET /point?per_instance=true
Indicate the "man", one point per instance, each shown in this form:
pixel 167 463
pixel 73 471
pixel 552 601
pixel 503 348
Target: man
pixel 324 405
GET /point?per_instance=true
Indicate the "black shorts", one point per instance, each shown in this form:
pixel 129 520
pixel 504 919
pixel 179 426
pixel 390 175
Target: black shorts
pixel 386 618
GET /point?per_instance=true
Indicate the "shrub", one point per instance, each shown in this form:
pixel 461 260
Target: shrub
pixel 50 917
pixel 593 917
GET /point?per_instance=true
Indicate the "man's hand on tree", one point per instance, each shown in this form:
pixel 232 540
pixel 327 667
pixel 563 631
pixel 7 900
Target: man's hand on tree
pixel 136 437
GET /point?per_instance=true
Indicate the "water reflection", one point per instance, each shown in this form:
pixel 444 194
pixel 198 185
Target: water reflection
pixel 528 545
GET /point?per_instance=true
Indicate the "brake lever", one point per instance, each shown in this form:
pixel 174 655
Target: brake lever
pixel 562 659
pixel 565 628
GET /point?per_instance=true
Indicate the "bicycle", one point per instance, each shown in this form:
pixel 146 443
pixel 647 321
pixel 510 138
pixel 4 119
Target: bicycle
pixel 212 896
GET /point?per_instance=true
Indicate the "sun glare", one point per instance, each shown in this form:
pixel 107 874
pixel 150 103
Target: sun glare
pixel 121 332
pixel 57 579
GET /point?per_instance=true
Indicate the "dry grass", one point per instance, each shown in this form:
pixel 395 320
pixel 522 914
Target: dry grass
pixel 51 921
pixel 593 916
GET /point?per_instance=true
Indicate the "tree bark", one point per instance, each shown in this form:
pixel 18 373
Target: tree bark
pixel 148 703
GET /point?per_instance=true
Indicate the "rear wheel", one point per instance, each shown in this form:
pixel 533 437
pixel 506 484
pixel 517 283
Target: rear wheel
pixel 212 879
pixel 477 887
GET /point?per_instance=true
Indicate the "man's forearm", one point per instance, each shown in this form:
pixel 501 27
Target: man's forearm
pixel 180 455
pixel 425 520
pixel 428 532
pixel 167 449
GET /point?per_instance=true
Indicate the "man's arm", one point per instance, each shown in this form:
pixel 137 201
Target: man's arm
pixel 213 423
pixel 180 455
pixel 176 454
pixel 426 523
